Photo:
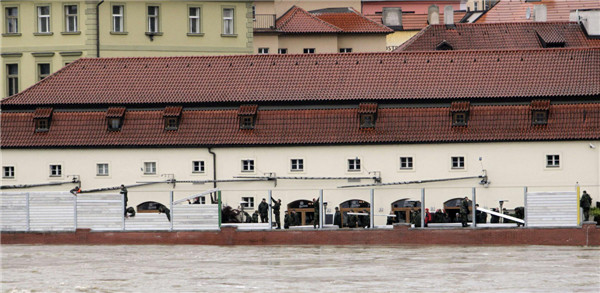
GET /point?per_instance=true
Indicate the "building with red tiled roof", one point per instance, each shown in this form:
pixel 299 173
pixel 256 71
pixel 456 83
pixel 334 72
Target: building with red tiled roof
pixel 329 30
pixel 495 120
pixel 524 11
pixel 523 35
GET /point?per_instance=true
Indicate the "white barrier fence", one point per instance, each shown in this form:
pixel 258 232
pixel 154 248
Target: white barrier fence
pixel 551 209
pixel 61 211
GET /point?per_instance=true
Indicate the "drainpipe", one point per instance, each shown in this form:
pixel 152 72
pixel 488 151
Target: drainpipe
pixel 98 28
pixel 214 167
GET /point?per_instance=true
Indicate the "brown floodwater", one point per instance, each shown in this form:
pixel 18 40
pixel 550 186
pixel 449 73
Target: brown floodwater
pixel 183 268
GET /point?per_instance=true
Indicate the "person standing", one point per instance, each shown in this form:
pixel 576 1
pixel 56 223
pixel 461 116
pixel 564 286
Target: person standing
pixel 125 198
pixel 316 215
pixel 286 220
pixel 276 208
pixel 464 211
pixel 255 217
pixel 263 210
pixel 337 218
pixel 585 202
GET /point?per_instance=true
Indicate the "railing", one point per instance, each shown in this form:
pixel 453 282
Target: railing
pixel 264 21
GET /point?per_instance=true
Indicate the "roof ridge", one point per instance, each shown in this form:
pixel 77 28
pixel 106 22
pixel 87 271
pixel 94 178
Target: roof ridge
pixel 295 9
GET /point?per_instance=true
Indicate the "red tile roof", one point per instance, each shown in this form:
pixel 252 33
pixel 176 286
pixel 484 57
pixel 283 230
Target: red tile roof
pixel 460 106
pixel 298 20
pixel 287 78
pixel 522 35
pixel 115 112
pixel 414 21
pixel 303 126
pixel 516 11
pixel 367 108
pixel 540 105
pixel 248 110
pixel 172 111
pixel 42 113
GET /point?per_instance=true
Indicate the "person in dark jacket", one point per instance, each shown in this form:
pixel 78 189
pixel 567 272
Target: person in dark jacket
pixel 390 219
pixel 337 218
pixel 162 209
pixel 316 215
pixel 255 217
pixel 494 219
pixel 464 211
pixel 276 208
pixel 287 220
pixel 263 210
pixel 585 202
pixel 125 198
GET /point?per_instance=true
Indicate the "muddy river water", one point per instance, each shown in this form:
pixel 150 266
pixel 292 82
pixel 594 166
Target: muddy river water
pixel 181 268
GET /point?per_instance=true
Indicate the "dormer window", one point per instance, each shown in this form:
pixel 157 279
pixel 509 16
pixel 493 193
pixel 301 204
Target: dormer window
pixel 172 115
pixel 539 112
pixel 247 116
pixel 367 114
pixel 444 46
pixel 114 118
pixel 42 117
pixel 460 113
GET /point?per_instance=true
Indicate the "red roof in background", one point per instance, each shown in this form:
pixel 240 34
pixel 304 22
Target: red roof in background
pixel 303 126
pixel 564 72
pixel 522 35
pixel 413 21
pixel 172 111
pixel 516 11
pixel 298 20
pixel 540 105
pixel 367 108
pixel 42 113
pixel 460 106
pixel 248 109
pixel 115 112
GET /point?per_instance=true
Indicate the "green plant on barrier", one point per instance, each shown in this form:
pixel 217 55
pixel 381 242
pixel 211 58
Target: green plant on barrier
pixel 595 212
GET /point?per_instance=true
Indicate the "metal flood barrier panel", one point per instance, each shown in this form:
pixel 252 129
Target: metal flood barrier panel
pixel 551 209
pixel 38 211
pixel 100 211
pixel 195 217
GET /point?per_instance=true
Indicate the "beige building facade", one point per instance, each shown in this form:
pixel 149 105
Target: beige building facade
pixel 40 37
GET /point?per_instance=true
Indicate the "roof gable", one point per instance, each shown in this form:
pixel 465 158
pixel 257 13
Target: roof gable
pixel 298 20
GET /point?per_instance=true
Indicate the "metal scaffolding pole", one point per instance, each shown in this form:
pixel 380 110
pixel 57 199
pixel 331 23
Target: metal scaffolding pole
pixel 372 215
pixel 321 217
pixel 270 211
pixel 422 208
pixel 474 211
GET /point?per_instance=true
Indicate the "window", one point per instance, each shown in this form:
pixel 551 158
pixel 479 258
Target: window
pixel 171 123
pixel 254 12
pixel 247 165
pixel 552 161
pixel 459 119
pixel 247 122
pixel 263 50
pixel 248 202
pixel 282 51
pixel 149 168
pixel 297 165
pixel 12 76
pixel 309 50
pixel 540 117
pixel 43 70
pixel 458 162
pixel 194 20
pixel 117 17
pixel 345 50
pixel 8 172
pixel 475 6
pixel 43 19
pixel 228 21
pixel 42 125
pixel 406 163
pixel 152 19
pixel 102 169
pixel 12 20
pixel 55 170
pixel 354 164
pixel 114 124
pixel 71 18
pixel 367 120
pixel 198 167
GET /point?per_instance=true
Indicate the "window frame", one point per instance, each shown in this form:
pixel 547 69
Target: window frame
pixel 115 17
pixel 460 163
pixel 364 123
pixel 98 169
pixel 171 123
pixel 297 166
pixel 40 75
pixel 40 123
pixel 228 19
pixel 308 50
pixel 404 166
pixel 539 117
pixel 345 50
pixel 154 168
pixel 201 167
pixel 67 16
pixel 264 50
pixel 44 18
pixel 459 118
pixel 110 123
pixel 553 161
pixel 57 172
pixel 12 171
pixel 354 164
pixel 282 50
pixel 12 79
pixel 249 203
pixel 9 18
pixel 153 18
pixel 198 19
pixel 248 165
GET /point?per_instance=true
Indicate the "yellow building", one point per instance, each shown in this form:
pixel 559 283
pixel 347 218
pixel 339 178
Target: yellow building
pixel 40 36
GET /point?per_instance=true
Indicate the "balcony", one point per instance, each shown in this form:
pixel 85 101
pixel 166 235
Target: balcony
pixel 264 22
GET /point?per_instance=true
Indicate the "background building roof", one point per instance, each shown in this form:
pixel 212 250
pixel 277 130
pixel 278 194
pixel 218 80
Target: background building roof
pixel 564 72
pixel 331 20
pixel 516 11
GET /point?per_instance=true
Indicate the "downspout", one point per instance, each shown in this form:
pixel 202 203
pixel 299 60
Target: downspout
pixel 98 28
pixel 214 167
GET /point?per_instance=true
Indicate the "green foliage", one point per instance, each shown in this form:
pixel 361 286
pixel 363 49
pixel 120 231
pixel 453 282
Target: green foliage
pixel 595 212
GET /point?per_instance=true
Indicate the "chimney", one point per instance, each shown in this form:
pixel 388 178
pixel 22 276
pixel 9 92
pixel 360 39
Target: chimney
pixel 540 13
pixel 449 16
pixel 433 15
pixel 589 19
pixel 392 17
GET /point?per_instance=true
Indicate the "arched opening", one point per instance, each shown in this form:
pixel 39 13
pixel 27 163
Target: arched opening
pixel 304 211
pixel 354 206
pixel 148 207
pixel 402 208
pixel 452 209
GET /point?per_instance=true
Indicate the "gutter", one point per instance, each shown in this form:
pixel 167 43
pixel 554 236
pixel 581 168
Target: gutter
pixel 214 167
pixel 98 28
